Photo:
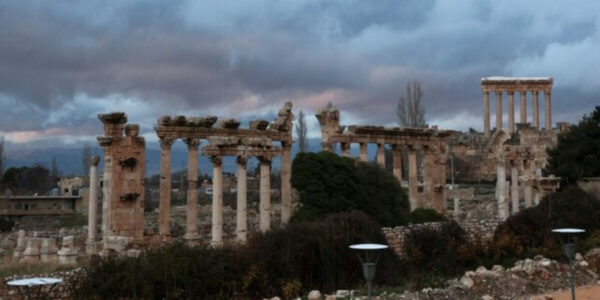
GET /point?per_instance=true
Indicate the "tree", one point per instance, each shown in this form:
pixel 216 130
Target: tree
pixel 27 180
pixel 410 110
pixel 301 130
pixel 330 184
pixel 577 153
pixel 87 158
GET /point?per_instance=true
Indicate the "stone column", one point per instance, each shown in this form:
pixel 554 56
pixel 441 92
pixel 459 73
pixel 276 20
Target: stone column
pixel 265 194
pixel 548 111
pixel 191 224
pixel 511 111
pixel 242 199
pixel 286 185
pixel 514 186
pixel 412 179
pixel 527 189
pixel 523 107
pixel 18 251
pixel 498 109
pixel 345 149
pixel 363 152
pixel 165 187
pixel 536 111
pixel 93 200
pixel 486 113
pixel 106 192
pixel 456 212
pixel 217 201
pixel 397 161
pixel 380 155
pixel 501 188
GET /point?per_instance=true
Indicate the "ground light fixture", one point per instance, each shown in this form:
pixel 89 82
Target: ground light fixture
pixel 566 239
pixel 368 255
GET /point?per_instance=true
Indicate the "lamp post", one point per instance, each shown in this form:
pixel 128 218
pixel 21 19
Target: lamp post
pixel 368 264
pixel 569 248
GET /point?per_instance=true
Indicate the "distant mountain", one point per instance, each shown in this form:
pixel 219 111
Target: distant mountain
pixel 69 160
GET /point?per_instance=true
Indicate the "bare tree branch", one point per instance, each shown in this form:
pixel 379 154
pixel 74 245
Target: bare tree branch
pixel 410 111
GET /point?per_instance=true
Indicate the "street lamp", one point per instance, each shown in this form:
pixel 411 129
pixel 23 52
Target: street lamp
pixel 368 265
pixel 569 248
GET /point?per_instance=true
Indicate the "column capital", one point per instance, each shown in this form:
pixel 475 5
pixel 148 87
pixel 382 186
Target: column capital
pixel 345 146
pixel 498 92
pixel 216 160
pixel 510 92
pixel 166 143
pixel 95 160
pixel 486 92
pixel 535 92
pixel 192 143
pixel 264 159
pixel 242 160
pixel 548 92
pixel 286 145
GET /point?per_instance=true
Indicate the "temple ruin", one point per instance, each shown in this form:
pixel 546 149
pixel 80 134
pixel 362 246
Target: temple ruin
pixel 431 141
pixel 510 85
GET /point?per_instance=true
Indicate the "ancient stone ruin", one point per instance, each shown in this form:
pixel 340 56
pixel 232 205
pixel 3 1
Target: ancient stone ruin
pixel 431 141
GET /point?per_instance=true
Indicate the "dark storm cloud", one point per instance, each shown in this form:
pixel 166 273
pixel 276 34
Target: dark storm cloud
pixel 62 62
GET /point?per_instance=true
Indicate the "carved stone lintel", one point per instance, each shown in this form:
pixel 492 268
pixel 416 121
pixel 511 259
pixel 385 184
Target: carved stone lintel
pixel 192 143
pixel 216 160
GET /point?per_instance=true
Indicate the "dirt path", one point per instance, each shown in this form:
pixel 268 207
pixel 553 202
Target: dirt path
pixel 590 292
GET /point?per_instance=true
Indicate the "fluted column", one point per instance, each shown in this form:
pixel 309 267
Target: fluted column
pixel 345 149
pixel 514 186
pixel 286 186
pixel 486 113
pixel 536 111
pixel 412 179
pixel 93 200
pixel 191 229
pixel 523 107
pixel 106 192
pixel 217 201
pixel 165 187
pixel 242 199
pixel 501 189
pixel 363 152
pixel 397 161
pixel 380 155
pixel 498 109
pixel 511 111
pixel 265 194
pixel 548 111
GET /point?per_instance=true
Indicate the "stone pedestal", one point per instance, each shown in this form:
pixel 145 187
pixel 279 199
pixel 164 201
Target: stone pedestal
pixel 32 251
pixel 116 245
pixel 242 199
pixel 48 250
pixel 18 251
pixel 93 248
pixel 265 194
pixel 68 253
pixel 217 202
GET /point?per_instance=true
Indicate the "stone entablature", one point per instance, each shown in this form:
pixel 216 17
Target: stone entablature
pixel 517 84
pixel 431 141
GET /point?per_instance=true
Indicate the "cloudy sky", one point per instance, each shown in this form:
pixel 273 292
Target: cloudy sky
pixel 63 62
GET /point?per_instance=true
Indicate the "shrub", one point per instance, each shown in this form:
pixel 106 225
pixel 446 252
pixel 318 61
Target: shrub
pixel 330 184
pixel 530 231
pixel 440 252
pixel 6 225
pixel 424 215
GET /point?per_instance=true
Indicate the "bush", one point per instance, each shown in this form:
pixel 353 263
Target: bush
pixel 288 261
pixel 330 184
pixel 529 232
pixel 6 225
pixel 425 215
pixel 440 252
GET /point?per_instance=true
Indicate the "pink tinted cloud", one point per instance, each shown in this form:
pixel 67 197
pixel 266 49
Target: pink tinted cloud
pixel 26 136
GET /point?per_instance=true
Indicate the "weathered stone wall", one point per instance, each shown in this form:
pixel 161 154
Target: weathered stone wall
pixel 461 193
pixel 477 230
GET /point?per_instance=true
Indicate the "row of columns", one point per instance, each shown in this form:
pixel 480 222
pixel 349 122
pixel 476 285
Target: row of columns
pixel 504 193
pixel 413 183
pixel 217 195
pixel 511 110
